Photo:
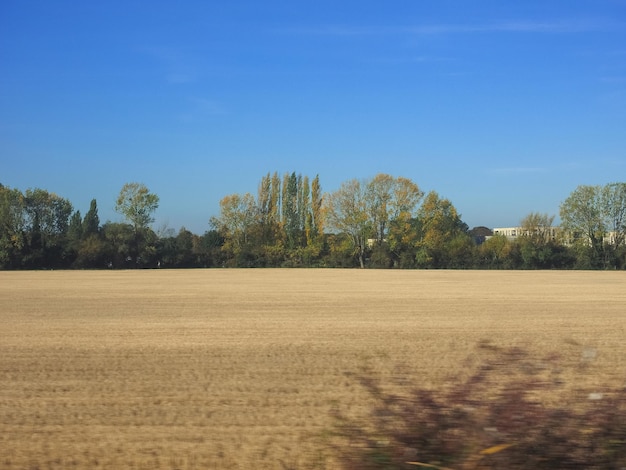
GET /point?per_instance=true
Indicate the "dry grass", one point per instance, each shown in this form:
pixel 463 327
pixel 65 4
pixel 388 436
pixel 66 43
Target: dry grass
pixel 241 368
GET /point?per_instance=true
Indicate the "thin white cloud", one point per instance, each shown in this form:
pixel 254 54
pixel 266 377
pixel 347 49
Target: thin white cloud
pixel 561 26
pixel 334 30
pixel 505 26
pixel 423 59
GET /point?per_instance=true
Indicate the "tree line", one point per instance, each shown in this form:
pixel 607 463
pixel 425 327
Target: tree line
pixel 381 222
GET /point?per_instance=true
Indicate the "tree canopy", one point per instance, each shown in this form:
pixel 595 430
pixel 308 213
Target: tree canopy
pixel 137 204
pixel 381 222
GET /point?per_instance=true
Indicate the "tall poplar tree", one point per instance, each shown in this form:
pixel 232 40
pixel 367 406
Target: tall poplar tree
pixel 264 198
pixel 291 217
pixel 75 229
pixel 613 200
pixel 317 225
pixel 91 222
pixel 275 198
pixel 304 206
pixel 267 202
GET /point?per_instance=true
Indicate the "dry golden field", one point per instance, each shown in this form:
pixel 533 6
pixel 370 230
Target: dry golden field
pixel 241 368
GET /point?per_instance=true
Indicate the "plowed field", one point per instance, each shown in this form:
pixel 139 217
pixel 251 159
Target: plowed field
pixel 242 368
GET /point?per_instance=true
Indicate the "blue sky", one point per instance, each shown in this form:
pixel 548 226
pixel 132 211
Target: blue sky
pixel 504 107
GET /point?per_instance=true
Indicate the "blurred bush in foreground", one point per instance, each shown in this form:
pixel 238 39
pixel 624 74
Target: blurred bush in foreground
pixel 514 411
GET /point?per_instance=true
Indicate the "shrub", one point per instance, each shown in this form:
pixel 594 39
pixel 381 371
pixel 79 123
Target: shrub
pixel 513 412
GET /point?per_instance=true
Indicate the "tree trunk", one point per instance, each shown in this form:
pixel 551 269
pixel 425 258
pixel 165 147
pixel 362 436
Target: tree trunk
pixel 361 262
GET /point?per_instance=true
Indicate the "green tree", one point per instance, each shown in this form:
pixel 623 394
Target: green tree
pixel 208 249
pixel 304 205
pixel 391 204
pixel 176 251
pixel 92 252
pixel 378 194
pixel 401 235
pixel 582 219
pixel 539 247
pixel 313 223
pixel 75 228
pixel 236 223
pixel 119 249
pixel 268 201
pixel 84 241
pixel 613 202
pixel 12 226
pixel 264 200
pixel 404 238
pixel 377 214
pixel 290 209
pixel 137 204
pixel 91 222
pixel 184 248
pixel 341 251
pixel 275 200
pixel 442 231
pixel 347 212
pixel 47 222
pixel 74 235
pixel 317 220
pixel 494 252
pixel 538 228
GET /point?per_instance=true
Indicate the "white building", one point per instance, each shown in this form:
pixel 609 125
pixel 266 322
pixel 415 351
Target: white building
pixel 550 233
pixel 512 233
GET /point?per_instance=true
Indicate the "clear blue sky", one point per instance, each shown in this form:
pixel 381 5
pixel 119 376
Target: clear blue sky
pixel 504 107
